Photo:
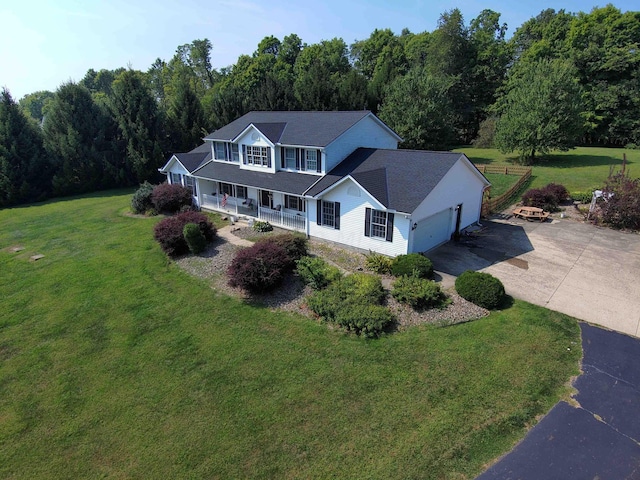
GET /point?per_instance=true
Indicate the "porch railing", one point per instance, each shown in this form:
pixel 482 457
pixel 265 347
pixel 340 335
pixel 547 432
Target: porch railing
pixel 239 206
pixel 282 219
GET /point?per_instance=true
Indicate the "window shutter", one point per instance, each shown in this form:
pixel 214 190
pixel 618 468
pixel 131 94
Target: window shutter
pixel 367 222
pixel 336 213
pixel 244 154
pixel 269 157
pixel 298 158
pixel 389 227
pixel 319 212
pixel 319 161
pixel 282 157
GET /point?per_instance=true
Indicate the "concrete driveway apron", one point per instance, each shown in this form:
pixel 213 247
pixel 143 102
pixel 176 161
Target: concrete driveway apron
pixel 584 271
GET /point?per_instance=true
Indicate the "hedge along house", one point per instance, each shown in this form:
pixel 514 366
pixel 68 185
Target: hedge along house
pixel 333 175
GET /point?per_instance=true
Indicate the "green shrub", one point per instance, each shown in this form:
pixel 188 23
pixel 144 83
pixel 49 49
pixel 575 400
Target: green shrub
pixel 141 199
pixel 262 227
pixel 362 287
pixel 317 273
pixel 378 263
pixel 582 197
pixel 480 288
pixel 194 238
pixel 365 320
pixel 412 264
pixel 418 292
pixel 294 244
pixel 169 232
pixel 353 302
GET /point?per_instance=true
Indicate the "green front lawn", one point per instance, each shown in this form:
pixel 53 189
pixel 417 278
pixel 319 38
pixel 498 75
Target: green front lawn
pixel 115 363
pixel 581 169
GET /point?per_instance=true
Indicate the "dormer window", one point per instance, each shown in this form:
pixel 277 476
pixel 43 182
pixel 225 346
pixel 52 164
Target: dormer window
pixel 290 158
pixel 257 156
pixel 227 152
pixel 311 160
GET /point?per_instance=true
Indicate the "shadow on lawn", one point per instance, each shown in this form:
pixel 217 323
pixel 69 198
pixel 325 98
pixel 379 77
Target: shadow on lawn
pixel 568 161
pixel 496 243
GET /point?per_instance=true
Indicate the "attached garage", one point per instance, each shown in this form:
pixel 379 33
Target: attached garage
pixel 432 231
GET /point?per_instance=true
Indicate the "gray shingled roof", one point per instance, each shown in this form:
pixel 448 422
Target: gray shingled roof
pixel 195 158
pixel 399 179
pixel 313 129
pixel 287 182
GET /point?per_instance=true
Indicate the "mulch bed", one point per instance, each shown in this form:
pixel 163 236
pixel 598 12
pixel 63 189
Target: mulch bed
pixel 213 263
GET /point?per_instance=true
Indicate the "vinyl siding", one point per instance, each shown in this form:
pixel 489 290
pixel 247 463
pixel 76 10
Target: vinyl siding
pixel 460 185
pixel 352 218
pixel 260 141
pixel 366 133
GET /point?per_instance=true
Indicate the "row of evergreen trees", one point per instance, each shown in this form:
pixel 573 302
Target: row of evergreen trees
pixel 562 78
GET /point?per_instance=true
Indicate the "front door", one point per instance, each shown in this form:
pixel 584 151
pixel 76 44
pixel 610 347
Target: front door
pixel 266 199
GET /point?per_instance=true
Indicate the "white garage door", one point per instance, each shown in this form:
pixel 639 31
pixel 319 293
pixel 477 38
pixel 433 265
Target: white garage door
pixel 432 231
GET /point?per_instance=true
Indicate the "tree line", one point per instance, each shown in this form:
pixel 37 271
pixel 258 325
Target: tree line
pixel 562 79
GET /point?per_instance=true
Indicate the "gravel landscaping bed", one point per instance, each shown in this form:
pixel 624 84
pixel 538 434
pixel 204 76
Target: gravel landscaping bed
pixel 213 263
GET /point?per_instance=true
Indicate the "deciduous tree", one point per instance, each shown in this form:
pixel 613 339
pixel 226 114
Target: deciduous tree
pixel 542 110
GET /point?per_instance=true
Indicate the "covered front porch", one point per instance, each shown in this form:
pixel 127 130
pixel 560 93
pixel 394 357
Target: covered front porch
pixel 277 208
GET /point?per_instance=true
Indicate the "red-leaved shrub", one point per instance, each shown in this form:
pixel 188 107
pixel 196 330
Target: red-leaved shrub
pixel 548 197
pixel 622 206
pixel 258 268
pixel 170 198
pixel 169 231
pixel 295 246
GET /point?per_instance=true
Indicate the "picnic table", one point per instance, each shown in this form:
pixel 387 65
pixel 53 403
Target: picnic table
pixel 531 213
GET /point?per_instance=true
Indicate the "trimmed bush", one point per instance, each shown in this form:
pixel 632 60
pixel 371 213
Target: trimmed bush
pixel 378 263
pixel 418 292
pixel 363 287
pixel 480 288
pixel 582 197
pixel 258 268
pixel 194 238
pixel 317 273
pixel 412 264
pixel 350 302
pixel 141 199
pixel 295 245
pixel 548 198
pixel 365 320
pixel 170 198
pixel 557 191
pixel 169 232
pixel 262 227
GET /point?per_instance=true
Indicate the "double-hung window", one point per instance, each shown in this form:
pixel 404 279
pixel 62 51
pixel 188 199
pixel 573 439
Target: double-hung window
pixel 328 214
pixel 228 152
pixel 176 178
pixel 294 203
pixel 258 156
pixel 311 160
pixel 220 150
pixel 378 224
pixel 290 158
pixel 190 182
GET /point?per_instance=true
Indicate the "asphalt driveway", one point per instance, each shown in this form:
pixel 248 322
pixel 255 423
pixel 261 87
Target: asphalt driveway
pixel 598 435
pixel 584 271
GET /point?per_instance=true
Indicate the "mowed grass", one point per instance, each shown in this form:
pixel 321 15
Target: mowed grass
pixel 580 169
pixel 114 363
pixel 500 183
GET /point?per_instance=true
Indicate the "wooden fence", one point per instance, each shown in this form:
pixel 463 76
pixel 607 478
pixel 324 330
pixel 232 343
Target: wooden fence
pixel 492 204
pixel 505 169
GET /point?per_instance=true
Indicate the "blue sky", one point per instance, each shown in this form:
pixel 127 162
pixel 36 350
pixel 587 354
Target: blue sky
pixel 45 43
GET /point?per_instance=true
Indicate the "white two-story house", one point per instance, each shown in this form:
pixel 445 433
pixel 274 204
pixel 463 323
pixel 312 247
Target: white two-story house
pixel 333 175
